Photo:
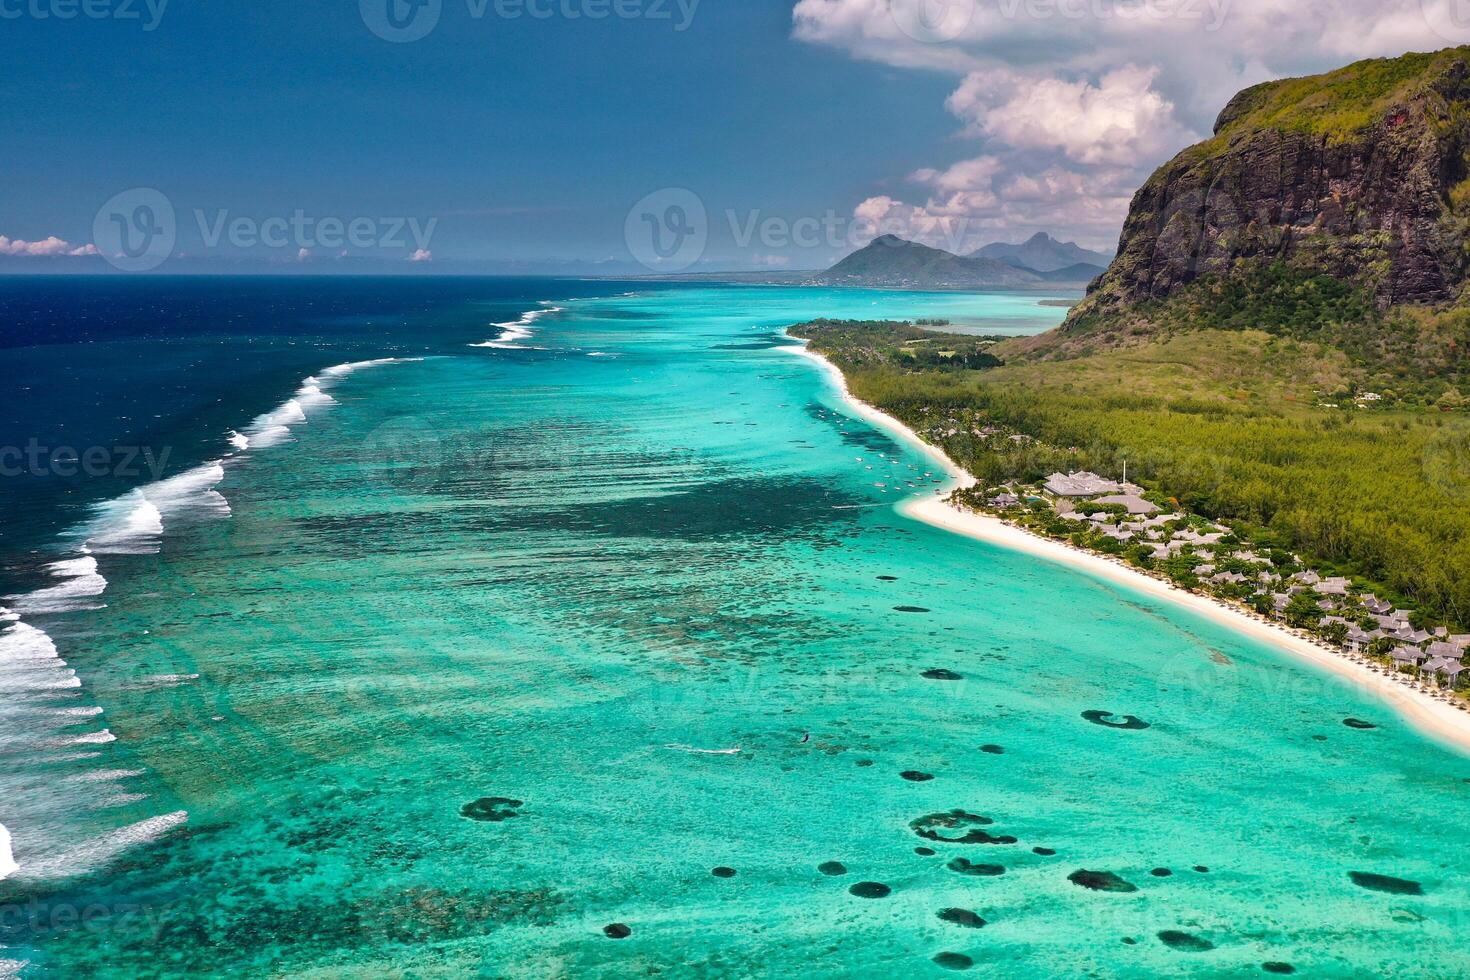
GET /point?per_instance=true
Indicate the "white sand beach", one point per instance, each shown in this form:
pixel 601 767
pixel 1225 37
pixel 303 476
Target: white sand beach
pixel 1430 713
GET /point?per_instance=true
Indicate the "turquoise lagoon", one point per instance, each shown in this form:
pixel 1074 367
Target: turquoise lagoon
pixel 487 650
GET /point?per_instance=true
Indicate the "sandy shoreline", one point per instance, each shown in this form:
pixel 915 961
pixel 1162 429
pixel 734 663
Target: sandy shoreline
pixel 1428 713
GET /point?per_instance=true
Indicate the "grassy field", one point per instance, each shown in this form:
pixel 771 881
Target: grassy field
pixel 1235 424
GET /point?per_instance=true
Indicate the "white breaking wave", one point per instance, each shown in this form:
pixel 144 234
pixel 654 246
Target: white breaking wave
pixel 29 661
pixel 38 684
pixel 8 866
pixel 82 583
pixel 133 524
pixel 103 775
pixel 102 850
pixel 91 738
pixel 517 330
pixel 342 370
pixel 274 427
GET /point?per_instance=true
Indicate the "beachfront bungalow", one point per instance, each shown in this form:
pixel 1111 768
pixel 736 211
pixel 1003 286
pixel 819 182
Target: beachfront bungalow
pixel 1377 606
pixel 1357 640
pixel 1442 651
pixel 1407 656
pixel 1225 578
pixel 1445 670
pixel 1308 577
pixel 1333 586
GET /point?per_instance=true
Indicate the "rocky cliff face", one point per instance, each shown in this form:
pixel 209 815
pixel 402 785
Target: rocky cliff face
pixel 1360 174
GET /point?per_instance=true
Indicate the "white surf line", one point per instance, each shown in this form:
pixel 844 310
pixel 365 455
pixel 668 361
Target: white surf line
pixel 1441 720
pixel 513 331
pixel 132 524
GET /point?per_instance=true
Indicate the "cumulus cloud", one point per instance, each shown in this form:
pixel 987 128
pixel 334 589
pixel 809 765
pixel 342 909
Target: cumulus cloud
pixel 421 255
pixel 50 246
pixel 975 202
pixel 1070 98
pixel 1122 119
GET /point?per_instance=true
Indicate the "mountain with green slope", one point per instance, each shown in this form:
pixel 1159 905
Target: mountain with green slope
pixel 890 262
pixel 1043 253
pixel 1358 175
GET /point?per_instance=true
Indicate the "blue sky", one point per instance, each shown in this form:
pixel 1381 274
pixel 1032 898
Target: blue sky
pixel 526 139
pixel 520 143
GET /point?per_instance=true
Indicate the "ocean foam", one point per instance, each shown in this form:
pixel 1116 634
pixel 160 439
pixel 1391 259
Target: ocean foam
pixel 8 866
pixel 512 331
pixel 102 850
pixel 133 524
pixel 274 427
pixel 82 583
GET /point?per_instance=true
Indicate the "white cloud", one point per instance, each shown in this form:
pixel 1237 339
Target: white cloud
pixel 1120 120
pixel 51 246
pixel 1068 99
pixel 421 255
pixel 960 216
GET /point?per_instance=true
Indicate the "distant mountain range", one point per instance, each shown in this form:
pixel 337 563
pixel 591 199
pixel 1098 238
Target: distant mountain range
pixel 1043 253
pixel 890 262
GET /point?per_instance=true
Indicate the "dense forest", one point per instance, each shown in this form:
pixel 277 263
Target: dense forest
pixel 1235 425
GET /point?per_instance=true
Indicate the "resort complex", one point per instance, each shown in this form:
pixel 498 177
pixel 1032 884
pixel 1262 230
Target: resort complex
pixel 1149 532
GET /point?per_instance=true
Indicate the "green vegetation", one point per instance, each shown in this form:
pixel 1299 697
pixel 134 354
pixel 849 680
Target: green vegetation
pixel 1227 422
pixel 1411 355
pixel 1339 104
pixel 873 343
